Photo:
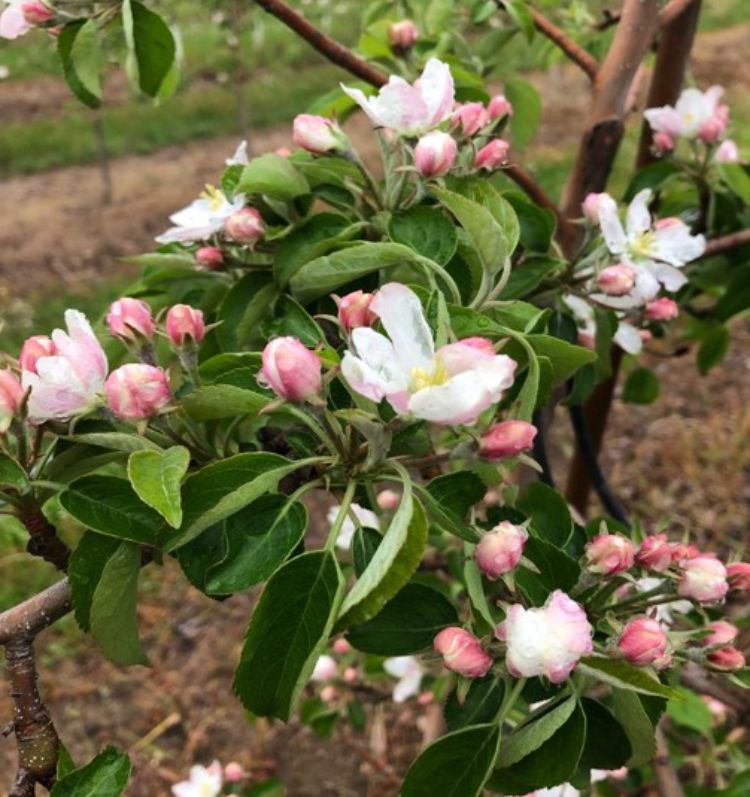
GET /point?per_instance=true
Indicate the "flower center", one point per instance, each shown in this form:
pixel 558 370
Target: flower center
pixel 422 378
pixel 640 247
pixel 214 196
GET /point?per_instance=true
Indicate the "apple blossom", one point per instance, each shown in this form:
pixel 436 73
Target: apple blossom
pixel 681 552
pixel 365 517
pixel 290 369
pixel 688 116
pixel 318 135
pixel 643 642
pixel 492 155
pixel 12 20
pixel 131 319
pixel 354 310
pixel 470 118
pixel 435 154
pixel 325 669
pixel 234 772
pixel 36 13
pixel 462 652
pixel 137 391
pixel 245 226
pixel 609 553
pixel 33 348
pixel 68 382
pixel 204 782
pixel 210 257
pixel 11 397
pixel 546 641
pixel 663 142
pixel 410 110
pixel 662 309
pixel 452 385
pixel 726 659
pixel 185 324
pixel 617 280
pixel 655 553
pixel 656 252
pixel 409 672
pixel 738 575
pixel 351 675
pixel 403 34
pixel 627 337
pixel 341 646
pixel 704 579
pixel 500 550
pixel 722 633
pixel 240 157
pixel 202 218
pixel 388 500
pixel 590 207
pixel 727 152
pixel 499 106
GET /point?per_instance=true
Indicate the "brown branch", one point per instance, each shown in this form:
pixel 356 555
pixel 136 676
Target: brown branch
pixel 667 782
pixel 672 10
pixel 571 48
pixel 35 614
pixel 43 539
pixel 725 243
pixel 325 45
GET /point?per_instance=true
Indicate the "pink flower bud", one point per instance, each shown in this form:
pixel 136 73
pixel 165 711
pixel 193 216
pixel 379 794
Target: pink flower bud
pixel 318 135
pixel 616 280
pixel 388 500
pixel 184 324
pixel 351 676
pixel 426 698
pixel 136 391
pixel 130 319
pixel 738 574
pixel 403 34
pixel 341 646
pixel 704 579
pixel 234 772
pixel 33 349
pixel 610 553
pixel 663 309
pixel 499 106
pixel 462 653
pixel 507 439
pixel 500 550
pixel 354 310
pixel 291 370
pixel 492 155
pixel 663 143
pixel 590 207
pixel 245 226
pixel 714 128
pixel 726 659
pixel 722 633
pixel 284 152
pixel 470 118
pixel 482 344
pixel 328 694
pixel 435 154
pixel 11 396
pixel 36 13
pixel 655 553
pixel 727 152
pixel 210 257
pixel 643 642
pixel 325 669
pixel 681 552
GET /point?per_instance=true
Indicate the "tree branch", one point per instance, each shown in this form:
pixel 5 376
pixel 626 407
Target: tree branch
pixel 43 539
pixel 725 243
pixel 35 614
pixel 579 55
pixel 325 45
pixel 531 188
pixel 672 10
pixel 667 782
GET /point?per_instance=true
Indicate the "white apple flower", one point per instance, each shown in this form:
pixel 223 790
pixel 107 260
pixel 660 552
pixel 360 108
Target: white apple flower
pixel 325 668
pixel 364 516
pixel 202 218
pixel 664 612
pixel 12 21
pixel 411 109
pixel 409 672
pixel 688 116
pixel 452 385
pixel 656 251
pixel 240 157
pixel 627 336
pixel 204 782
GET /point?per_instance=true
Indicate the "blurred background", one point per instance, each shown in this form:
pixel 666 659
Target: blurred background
pixel 82 189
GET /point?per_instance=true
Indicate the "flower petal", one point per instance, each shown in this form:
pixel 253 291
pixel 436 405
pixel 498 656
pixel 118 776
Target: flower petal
pixel 460 400
pixel 675 245
pixel 437 91
pixel 628 338
pixel 402 317
pixel 638 218
pixel 12 22
pixel 611 226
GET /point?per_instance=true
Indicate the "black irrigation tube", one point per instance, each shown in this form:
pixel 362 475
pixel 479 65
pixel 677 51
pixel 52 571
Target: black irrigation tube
pixel 540 450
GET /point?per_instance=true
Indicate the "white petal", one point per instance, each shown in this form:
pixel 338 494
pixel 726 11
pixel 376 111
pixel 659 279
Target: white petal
pixel 407 687
pixel 12 22
pixel 670 277
pixel 611 226
pixel 580 308
pixel 628 338
pixel 401 666
pixel 197 214
pixel 460 400
pixel 240 156
pixel 646 284
pixel 638 217
pixel 675 245
pixel 401 314
pixel 437 90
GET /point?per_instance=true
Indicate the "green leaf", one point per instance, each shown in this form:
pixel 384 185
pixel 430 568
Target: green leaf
pixel 714 345
pixel 260 537
pixel 527 276
pixel 450 497
pixel 502 211
pixel 289 628
pixel 641 387
pixel 521 16
pixel 106 776
pixel 12 474
pixel 65 764
pixel 527 110
pixel 325 274
pixel 628 709
pixel 151 45
pixel 292 319
pixel 623 675
pixel 110 506
pixel 156 477
pixel 737 179
pixel 116 441
pixel 456 765
pixel 222 488
pixel 607 745
pixel 214 402
pixel 85 570
pixel 736 296
pixel 548 511
pixel 406 624
pixel 556 569
pixel 533 734
pixel 537 224
pixel 393 564
pixel 86 56
pixel 653 176
pixel 273 176
pixel 242 310
pixel 481 703
pixel 565 357
pixel 690 712
pixel 363 546
pixel 425 230
pixel 65 42
pixel 114 619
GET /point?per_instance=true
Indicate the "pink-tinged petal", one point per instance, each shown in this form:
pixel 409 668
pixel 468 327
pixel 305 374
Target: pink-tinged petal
pixel 12 22
pixel 712 96
pixel 56 391
pixel 459 357
pixel 402 316
pixel 437 91
pixel 664 120
pixel 611 226
pixel 371 367
pixel 460 400
pixel 638 218
pixel 675 245
pixel 82 350
pixel 362 378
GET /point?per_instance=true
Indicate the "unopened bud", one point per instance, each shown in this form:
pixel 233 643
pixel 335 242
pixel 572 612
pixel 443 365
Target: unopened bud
pixel 129 319
pixel 291 370
pixel 663 309
pixel 507 439
pixel 185 324
pixel 617 280
pixel 210 257
pixel 403 34
pixel 11 397
pixel 435 154
pixel 492 155
pixel 137 391
pixel 245 226
pixel 499 106
pixel 318 135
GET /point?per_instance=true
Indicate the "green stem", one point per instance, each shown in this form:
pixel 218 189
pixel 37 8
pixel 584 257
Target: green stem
pixel 346 502
pixel 443 274
pixel 510 700
pixel 313 425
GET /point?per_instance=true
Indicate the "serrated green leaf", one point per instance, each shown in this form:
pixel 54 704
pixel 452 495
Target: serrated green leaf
pixel 527 110
pixel 533 734
pixel 12 474
pixel 625 676
pixel 629 710
pixel 86 56
pixel 214 402
pixel 481 704
pixel 548 511
pixel 425 230
pixel 106 776
pixel 156 477
pixel 85 570
pixel 65 42
pixel 151 45
pixel 641 387
pixel 273 176
pixel 607 745
pixel 117 441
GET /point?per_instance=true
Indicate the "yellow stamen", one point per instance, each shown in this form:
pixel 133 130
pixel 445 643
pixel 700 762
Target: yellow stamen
pixel 422 378
pixel 641 246
pixel 214 196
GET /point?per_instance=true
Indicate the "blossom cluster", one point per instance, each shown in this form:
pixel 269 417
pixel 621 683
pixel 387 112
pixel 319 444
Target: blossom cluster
pixel 213 780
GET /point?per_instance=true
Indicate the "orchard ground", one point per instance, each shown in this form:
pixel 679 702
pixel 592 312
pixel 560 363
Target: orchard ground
pixel 685 455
